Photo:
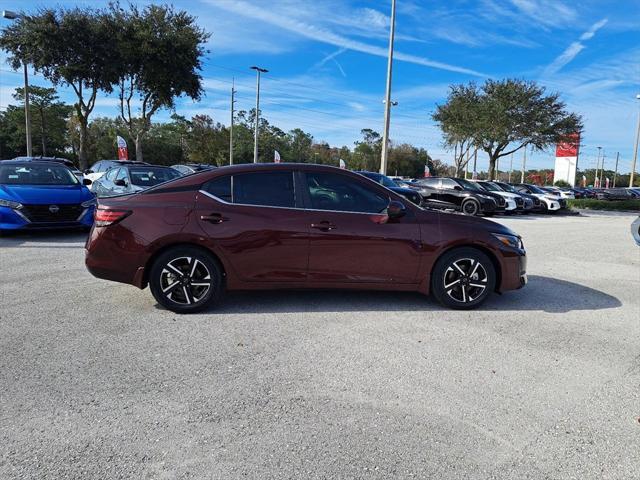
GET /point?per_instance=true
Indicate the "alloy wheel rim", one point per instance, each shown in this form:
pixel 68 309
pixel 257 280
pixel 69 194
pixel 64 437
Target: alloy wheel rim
pixel 465 280
pixel 185 280
pixel 470 208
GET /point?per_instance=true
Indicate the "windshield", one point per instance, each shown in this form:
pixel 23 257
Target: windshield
pixel 381 179
pixel 37 174
pixel 491 187
pixel 535 189
pixel 469 185
pixel 506 187
pixel 150 176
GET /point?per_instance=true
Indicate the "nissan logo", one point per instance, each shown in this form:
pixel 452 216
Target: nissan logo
pixel 54 208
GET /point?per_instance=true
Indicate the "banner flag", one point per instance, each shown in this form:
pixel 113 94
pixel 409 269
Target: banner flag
pixel 123 153
pixel 606 183
pixel 427 172
pixel 343 164
pixel 276 156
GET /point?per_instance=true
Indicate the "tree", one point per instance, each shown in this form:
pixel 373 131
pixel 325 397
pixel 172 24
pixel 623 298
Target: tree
pixel 160 50
pixel 50 120
pixel 69 47
pixel 501 117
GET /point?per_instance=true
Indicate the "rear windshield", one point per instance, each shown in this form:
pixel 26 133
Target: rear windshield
pixel 54 174
pixel 150 176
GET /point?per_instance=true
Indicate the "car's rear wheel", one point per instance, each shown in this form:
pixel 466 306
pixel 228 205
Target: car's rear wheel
pixel 463 278
pixel 470 207
pixel 186 279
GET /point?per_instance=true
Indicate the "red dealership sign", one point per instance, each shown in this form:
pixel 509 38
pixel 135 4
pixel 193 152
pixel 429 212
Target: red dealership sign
pixel 569 148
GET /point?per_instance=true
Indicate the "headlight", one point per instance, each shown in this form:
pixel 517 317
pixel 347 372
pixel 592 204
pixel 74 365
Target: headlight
pixel 89 203
pixel 509 240
pixel 10 204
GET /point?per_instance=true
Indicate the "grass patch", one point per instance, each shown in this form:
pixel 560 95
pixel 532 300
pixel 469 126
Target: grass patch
pixel 593 204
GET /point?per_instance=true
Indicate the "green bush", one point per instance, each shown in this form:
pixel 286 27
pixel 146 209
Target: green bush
pixel 561 184
pixel 593 204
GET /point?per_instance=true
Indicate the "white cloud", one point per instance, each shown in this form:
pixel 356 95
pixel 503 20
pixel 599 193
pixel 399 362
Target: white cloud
pixel 320 34
pixel 574 49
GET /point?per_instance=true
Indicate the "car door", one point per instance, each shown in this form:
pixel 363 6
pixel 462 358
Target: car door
pixel 430 191
pixel 351 238
pixel 257 223
pixel 449 194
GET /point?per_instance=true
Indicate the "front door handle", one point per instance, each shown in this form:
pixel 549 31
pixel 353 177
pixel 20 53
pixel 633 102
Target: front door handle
pixel 324 226
pixel 213 218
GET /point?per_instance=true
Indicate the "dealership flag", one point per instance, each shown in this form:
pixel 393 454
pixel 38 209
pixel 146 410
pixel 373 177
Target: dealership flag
pixel 343 164
pixel 276 156
pixel 123 153
pixel 427 172
pixel 584 181
pixel 606 182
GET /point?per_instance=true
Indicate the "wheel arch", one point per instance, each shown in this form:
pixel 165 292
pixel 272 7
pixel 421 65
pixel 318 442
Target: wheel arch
pixel 165 248
pixel 494 260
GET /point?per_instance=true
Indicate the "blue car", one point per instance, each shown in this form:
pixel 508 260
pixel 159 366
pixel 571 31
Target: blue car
pixel 42 195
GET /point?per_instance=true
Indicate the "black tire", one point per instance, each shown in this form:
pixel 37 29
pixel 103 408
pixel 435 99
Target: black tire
pixel 470 207
pixel 178 279
pixel 465 293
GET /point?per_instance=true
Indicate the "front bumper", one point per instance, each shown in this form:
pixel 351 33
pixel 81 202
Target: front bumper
pixel 11 219
pixel 514 272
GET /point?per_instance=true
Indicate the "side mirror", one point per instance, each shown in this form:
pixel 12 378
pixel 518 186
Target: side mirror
pixel 86 181
pixel 457 187
pixel 120 182
pixel 88 171
pixel 396 209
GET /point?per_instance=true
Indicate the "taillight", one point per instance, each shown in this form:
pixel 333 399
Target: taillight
pixel 104 217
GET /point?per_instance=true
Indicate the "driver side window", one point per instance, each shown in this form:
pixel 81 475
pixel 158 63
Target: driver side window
pixel 330 191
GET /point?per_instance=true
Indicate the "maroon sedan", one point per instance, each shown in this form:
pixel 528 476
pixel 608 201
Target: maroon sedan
pixel 271 226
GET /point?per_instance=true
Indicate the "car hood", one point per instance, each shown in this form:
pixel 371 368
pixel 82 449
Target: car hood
pixel 45 194
pixel 507 194
pixel 475 223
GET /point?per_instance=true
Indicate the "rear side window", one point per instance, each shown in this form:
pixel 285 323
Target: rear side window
pixel 220 188
pixel 269 189
pixel 264 188
pixel 430 182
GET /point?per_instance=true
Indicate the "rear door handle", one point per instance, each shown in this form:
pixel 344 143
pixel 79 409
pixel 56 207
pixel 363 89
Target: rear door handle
pixel 324 226
pixel 213 218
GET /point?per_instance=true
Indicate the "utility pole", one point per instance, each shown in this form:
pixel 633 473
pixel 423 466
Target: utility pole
pixel 387 105
pixel 615 173
pixel 596 183
pixel 255 134
pixel 510 169
pixel 233 101
pixel 524 164
pixel 474 174
pixel 9 15
pixel 635 150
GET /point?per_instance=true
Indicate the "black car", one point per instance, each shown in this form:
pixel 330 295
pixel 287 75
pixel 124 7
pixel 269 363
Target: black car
pixel 408 193
pixel 459 194
pixel 616 194
pixel 127 179
pixel 537 204
pixel 189 168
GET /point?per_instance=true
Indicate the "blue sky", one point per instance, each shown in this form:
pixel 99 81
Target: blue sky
pixel 327 62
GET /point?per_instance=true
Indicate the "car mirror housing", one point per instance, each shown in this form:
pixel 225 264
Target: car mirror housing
pixel 88 171
pixel 120 183
pixel 457 187
pixel 86 181
pixel 396 209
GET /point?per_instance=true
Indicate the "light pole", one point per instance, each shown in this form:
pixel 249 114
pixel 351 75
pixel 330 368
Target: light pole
pixel 635 150
pixel 233 101
pixel 255 138
pixel 387 106
pixel 596 183
pixel 9 15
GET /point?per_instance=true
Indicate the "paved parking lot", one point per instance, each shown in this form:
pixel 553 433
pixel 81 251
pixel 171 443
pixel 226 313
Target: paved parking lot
pixel 98 382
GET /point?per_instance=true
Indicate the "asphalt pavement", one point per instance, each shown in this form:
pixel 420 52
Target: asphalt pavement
pixel 98 382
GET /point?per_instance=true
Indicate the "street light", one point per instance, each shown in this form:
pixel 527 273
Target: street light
pixel 387 106
pixel 9 15
pixel 635 150
pixel 255 138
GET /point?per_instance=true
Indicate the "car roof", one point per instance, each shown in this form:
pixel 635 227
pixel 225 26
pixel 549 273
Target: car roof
pixel 44 163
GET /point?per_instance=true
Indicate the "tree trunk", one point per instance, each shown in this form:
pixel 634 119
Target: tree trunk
pixel 84 139
pixel 43 132
pixel 492 166
pixel 138 141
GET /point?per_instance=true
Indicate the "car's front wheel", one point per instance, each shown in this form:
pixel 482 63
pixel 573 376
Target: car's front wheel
pixel 186 279
pixel 463 278
pixel 470 207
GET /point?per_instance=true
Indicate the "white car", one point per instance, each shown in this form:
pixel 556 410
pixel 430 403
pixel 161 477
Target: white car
pixel 559 193
pixel 549 201
pixel 99 168
pixel 514 201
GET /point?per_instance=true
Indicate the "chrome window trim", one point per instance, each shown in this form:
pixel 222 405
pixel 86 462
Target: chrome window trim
pixel 284 208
